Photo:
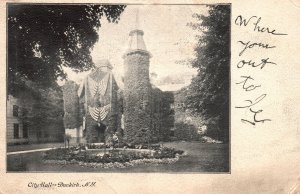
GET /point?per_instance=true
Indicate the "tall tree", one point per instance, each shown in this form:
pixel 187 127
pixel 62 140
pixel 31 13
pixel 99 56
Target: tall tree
pixel 43 38
pixel 209 90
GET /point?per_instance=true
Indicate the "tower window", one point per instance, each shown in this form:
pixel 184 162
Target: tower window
pixel 15 110
pixel 16 131
pixel 25 130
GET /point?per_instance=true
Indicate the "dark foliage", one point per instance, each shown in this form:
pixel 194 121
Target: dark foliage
pixel 43 38
pixel 187 132
pixel 209 91
pixel 162 114
pixel 167 115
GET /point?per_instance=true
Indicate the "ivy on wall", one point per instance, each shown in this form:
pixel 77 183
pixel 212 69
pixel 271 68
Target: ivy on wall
pixel 148 112
pixel 136 99
pixel 162 115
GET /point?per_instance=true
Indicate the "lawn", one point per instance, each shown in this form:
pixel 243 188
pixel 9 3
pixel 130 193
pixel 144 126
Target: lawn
pixel 200 157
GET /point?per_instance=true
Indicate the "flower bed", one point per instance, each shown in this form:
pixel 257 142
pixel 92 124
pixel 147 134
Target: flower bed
pixel 121 145
pixel 111 158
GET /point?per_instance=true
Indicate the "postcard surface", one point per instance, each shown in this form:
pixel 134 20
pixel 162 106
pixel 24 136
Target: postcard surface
pixel 150 97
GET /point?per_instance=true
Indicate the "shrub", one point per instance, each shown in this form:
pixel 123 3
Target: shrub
pixel 187 132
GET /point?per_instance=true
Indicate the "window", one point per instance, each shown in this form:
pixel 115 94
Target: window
pixel 25 130
pixel 46 135
pixel 15 110
pixel 172 133
pixel 25 112
pixel 16 131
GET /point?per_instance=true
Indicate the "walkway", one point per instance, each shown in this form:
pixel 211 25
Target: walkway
pixel 26 147
pixel 29 151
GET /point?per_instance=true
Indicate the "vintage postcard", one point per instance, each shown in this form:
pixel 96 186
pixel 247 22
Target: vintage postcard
pixel 150 97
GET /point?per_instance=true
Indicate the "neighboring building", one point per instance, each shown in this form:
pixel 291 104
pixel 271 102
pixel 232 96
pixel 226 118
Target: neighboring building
pixel 174 83
pixel 24 123
pixel 17 130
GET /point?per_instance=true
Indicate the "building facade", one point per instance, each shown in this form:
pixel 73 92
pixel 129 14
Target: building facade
pixel 30 116
pixel 17 129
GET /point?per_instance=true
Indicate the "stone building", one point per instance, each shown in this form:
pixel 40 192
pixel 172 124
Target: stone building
pixel 142 114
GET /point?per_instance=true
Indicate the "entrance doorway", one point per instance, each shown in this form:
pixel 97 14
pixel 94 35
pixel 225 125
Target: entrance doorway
pixel 101 133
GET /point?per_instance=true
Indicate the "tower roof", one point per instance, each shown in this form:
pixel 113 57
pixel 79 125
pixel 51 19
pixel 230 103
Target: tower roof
pixel 136 41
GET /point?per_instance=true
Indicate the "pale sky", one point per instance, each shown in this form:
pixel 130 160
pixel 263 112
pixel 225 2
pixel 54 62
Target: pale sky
pixel 166 35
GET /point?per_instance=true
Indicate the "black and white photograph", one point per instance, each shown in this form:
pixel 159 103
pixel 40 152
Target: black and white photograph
pixel 118 88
